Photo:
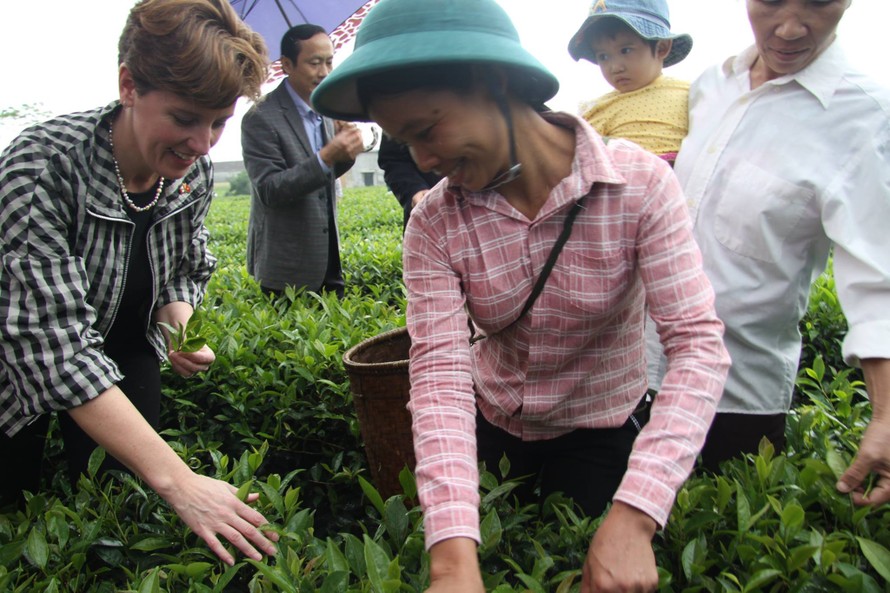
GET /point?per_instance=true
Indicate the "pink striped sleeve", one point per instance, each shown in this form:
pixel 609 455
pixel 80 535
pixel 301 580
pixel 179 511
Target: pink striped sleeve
pixel 681 302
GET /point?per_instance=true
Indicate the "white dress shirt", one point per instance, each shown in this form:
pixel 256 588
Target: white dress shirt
pixel 775 177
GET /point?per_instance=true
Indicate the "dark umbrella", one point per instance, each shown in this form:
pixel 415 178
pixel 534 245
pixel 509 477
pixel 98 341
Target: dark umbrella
pixel 272 18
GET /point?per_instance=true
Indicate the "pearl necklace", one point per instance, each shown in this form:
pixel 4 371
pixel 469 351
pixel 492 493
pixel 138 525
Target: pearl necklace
pixel 120 180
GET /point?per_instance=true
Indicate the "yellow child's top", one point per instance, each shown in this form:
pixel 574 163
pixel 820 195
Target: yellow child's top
pixel 656 116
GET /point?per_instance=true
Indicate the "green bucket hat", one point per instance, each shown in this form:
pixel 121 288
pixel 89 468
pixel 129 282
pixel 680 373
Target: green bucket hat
pixel 401 34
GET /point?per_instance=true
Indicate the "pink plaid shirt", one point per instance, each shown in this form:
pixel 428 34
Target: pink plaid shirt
pixel 577 359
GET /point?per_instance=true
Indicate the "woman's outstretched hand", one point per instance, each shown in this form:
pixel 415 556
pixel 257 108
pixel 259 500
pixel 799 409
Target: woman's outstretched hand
pixel 212 510
pixel 210 507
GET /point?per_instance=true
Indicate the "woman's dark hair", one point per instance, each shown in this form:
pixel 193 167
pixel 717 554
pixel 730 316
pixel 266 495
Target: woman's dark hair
pixel 458 77
pixel 454 77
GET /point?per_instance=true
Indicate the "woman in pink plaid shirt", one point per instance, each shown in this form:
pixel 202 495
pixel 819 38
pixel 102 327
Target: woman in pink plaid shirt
pixel 557 386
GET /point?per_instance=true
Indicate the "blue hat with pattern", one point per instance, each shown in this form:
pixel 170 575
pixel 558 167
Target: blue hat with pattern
pixel 649 18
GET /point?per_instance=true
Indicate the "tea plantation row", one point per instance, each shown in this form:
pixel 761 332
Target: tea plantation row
pixel 275 411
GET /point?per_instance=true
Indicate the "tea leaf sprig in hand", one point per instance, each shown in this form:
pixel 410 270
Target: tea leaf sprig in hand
pixel 185 338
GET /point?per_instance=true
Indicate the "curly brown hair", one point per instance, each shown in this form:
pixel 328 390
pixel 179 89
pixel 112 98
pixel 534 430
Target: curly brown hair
pixel 193 48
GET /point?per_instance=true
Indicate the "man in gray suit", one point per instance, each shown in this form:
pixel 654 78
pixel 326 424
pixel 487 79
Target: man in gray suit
pixel 293 158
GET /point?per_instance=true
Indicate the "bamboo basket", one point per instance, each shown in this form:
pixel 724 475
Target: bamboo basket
pixel 378 380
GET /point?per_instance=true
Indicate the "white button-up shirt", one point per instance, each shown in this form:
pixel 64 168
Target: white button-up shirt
pixel 774 177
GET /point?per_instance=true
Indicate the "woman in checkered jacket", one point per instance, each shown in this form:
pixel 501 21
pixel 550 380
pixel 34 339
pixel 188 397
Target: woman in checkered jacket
pixel 102 238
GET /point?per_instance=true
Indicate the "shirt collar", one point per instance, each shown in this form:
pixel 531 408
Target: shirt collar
pixel 821 78
pixel 592 163
pixel 306 111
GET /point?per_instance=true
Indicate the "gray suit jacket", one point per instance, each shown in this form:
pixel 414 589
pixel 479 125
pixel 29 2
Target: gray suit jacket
pixel 291 197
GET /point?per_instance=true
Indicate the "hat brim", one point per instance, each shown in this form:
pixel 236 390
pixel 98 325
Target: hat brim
pixel 337 95
pixel 579 47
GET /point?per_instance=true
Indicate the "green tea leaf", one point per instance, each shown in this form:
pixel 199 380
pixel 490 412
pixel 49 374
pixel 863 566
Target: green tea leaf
pixel 566 584
pixel 490 530
pixel 334 558
pixel 192 344
pixel 377 564
pixel 150 544
pixel 395 518
pixel 792 517
pixel 244 490
pixel 177 335
pixel 58 527
pixel 300 522
pixel 197 570
pixel 800 556
pixel 761 577
pixel 835 462
pixel 743 509
pixel 724 493
pixel 498 492
pixel 95 462
pixel 408 483
pixel 151 583
pixel 355 554
pixel 531 583
pixel 393 582
pixel 372 494
pixel 504 466
pixel 273 496
pixel 291 497
pixel 877 555
pixel 335 582
pixel 273 574
pixel 36 548
pixel 185 338
pixel 223 581
pixel 688 559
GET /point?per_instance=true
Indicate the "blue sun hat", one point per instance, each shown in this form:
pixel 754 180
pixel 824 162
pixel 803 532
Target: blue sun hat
pixel 402 34
pixel 649 18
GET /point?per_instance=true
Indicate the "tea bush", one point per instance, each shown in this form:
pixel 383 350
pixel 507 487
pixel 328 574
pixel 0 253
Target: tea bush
pixel 275 414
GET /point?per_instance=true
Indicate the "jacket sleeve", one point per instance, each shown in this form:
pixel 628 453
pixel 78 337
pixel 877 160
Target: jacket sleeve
pixel 51 351
pixel 196 264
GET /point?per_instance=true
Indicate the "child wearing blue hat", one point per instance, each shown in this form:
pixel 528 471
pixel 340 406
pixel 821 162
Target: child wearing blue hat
pixel 631 42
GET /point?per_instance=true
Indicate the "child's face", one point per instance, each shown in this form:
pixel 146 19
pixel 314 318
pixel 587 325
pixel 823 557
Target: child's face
pixel 627 60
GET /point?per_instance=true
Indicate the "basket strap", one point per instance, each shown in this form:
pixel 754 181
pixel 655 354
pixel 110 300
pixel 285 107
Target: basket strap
pixel 545 273
pixel 548 267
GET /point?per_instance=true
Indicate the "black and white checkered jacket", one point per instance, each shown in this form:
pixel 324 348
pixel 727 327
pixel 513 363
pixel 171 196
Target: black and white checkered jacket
pixel 64 241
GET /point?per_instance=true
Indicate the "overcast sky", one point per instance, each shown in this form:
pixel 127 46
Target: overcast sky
pixel 62 54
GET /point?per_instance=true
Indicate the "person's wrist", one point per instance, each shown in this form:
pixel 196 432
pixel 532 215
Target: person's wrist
pixel 170 477
pixel 633 518
pixel 454 557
